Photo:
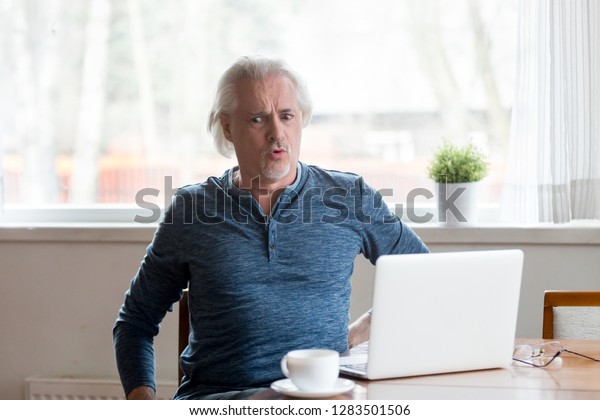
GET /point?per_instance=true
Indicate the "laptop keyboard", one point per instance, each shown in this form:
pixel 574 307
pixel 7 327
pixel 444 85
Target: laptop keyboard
pixel 362 348
pixel 361 367
pixel 357 360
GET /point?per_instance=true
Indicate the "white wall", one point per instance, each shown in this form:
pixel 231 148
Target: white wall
pixel 59 300
pixel 60 290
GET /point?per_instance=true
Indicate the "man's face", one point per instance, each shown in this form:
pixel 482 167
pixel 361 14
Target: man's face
pixel 266 129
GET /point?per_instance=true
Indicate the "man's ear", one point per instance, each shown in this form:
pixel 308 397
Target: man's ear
pixel 225 125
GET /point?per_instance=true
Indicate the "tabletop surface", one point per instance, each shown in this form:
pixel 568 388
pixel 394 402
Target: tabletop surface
pixel 568 377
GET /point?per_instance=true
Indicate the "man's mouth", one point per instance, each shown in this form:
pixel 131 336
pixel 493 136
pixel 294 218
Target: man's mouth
pixel 276 152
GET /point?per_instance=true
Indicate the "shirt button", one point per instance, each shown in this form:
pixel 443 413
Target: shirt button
pixel 272 246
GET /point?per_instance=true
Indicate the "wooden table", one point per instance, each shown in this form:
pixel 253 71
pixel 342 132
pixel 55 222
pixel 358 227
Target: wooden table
pixel 567 377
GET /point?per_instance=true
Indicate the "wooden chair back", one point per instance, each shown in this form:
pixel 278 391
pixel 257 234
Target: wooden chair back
pixel 587 320
pixel 184 328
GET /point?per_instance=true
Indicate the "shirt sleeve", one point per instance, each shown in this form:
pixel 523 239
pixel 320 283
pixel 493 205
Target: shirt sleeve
pixel 159 283
pixel 383 232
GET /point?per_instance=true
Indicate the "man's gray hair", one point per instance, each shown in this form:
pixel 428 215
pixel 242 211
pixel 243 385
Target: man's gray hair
pixel 255 68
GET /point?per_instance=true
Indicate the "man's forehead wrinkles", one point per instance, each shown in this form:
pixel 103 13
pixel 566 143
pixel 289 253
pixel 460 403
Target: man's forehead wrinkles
pixel 261 95
pixel 258 110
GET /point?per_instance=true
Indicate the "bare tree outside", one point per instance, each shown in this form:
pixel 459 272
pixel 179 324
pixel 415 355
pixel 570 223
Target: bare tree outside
pixel 86 150
pixel 35 123
pixel 152 145
pixel 429 47
pixel 498 114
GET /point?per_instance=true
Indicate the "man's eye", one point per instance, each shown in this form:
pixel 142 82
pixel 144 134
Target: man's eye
pixel 287 117
pixel 257 120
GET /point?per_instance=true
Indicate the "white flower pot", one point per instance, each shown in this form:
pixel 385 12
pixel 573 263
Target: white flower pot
pixel 457 203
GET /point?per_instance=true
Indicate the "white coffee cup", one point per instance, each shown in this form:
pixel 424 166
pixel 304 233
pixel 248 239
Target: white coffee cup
pixel 312 370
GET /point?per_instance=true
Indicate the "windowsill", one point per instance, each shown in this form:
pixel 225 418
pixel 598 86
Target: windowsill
pixel 116 224
pixel 575 233
pixel 77 232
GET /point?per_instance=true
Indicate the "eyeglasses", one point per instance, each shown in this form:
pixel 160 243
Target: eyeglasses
pixel 544 355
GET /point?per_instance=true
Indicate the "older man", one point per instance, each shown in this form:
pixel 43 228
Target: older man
pixel 267 250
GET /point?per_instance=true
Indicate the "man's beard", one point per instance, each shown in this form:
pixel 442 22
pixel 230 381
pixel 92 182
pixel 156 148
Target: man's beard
pixel 275 169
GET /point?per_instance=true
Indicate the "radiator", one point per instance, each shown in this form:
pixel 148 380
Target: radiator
pixel 72 388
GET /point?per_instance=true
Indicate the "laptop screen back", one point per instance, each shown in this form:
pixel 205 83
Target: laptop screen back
pixel 444 312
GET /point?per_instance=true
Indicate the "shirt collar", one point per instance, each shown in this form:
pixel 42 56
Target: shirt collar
pixel 231 186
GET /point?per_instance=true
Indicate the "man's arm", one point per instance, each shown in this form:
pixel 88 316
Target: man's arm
pixel 142 393
pixel 358 331
pixel 134 352
pixel 157 285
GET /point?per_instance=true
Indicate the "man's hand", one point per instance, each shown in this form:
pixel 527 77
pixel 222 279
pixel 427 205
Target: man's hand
pixel 359 330
pixel 142 393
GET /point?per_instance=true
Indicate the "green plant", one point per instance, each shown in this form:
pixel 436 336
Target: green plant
pixel 453 164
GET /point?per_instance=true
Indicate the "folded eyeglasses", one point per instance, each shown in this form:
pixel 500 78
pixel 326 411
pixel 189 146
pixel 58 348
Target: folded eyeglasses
pixel 543 355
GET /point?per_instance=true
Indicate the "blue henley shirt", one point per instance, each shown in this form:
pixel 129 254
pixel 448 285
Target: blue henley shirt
pixel 259 286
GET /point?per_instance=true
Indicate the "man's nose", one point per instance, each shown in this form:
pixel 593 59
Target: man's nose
pixel 276 131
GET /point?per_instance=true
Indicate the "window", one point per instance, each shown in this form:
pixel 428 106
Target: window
pixel 106 98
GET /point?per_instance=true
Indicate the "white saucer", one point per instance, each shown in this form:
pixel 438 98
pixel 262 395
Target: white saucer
pixel 286 387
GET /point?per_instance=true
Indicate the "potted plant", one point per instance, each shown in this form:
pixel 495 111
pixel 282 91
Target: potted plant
pixel 457 171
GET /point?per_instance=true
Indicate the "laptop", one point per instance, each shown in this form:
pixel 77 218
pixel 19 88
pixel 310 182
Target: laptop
pixel 440 313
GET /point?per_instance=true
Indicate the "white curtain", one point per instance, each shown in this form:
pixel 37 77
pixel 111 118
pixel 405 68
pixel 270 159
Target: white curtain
pixel 553 172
